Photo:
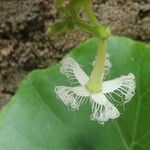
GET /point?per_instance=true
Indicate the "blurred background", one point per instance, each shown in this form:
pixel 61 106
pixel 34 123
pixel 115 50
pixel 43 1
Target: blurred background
pixel 24 46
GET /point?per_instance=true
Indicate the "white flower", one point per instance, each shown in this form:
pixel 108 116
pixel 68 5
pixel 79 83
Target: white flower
pixel 102 102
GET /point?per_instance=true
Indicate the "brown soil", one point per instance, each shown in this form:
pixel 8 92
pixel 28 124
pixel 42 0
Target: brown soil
pixel 24 45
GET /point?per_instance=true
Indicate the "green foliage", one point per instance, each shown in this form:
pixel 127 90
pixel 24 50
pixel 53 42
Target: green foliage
pixel 36 120
pixel 58 27
pixel 72 10
pixel 61 26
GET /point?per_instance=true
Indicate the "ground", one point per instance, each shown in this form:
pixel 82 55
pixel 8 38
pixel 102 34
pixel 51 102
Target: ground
pixel 24 46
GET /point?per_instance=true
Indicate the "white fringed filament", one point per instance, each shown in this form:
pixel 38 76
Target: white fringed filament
pixel 122 87
pixel 102 109
pixel 72 96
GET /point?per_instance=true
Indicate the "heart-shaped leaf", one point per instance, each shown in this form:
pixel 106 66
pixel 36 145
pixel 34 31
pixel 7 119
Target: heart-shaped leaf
pixel 36 120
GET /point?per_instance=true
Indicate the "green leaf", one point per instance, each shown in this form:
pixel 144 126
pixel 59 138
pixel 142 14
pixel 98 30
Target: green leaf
pixel 57 27
pixel 36 120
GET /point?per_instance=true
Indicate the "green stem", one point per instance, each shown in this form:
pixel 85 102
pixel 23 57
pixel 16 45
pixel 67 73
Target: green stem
pixel 90 14
pixel 94 84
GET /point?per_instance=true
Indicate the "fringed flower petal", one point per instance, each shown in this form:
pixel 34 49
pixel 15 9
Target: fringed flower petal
pixel 108 65
pixel 72 96
pixel 123 87
pixel 73 71
pixel 102 109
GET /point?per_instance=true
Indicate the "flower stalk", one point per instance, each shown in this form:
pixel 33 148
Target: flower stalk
pixel 94 84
